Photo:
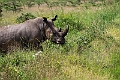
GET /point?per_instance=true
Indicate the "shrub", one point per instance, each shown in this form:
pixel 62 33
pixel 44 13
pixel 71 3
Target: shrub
pixel 23 17
pixel 12 6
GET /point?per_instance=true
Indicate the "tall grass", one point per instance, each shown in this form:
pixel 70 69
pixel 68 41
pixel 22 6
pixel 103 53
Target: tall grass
pixel 91 52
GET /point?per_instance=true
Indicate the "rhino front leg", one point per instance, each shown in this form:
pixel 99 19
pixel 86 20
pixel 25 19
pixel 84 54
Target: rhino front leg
pixel 39 48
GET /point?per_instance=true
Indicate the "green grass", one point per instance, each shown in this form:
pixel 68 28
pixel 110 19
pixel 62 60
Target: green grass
pixel 90 53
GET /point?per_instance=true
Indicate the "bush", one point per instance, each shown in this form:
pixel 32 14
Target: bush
pixel 0 10
pixel 23 17
pixel 12 6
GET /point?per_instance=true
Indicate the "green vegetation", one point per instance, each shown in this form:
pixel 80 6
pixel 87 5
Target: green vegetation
pixel 24 16
pixel 92 50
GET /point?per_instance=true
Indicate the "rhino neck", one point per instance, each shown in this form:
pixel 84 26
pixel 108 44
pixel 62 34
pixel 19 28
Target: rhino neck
pixel 48 33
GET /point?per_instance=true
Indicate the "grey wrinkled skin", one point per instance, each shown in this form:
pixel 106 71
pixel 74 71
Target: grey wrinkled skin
pixel 30 34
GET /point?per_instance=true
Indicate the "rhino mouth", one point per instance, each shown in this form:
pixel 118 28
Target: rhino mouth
pixel 58 42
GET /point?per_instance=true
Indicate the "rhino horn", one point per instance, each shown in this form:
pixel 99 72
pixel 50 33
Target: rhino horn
pixel 64 33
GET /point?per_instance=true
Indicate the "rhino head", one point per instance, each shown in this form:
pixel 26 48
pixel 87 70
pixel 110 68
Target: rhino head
pixel 58 36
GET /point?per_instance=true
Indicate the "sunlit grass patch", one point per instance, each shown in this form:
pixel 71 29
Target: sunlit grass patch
pixel 80 73
pixel 114 32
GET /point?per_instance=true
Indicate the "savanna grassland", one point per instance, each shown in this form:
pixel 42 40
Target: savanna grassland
pixel 91 51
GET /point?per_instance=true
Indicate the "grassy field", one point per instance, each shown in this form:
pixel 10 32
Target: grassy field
pixel 91 51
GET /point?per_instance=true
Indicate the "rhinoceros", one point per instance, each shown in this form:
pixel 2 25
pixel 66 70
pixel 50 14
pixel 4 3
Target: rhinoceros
pixel 31 33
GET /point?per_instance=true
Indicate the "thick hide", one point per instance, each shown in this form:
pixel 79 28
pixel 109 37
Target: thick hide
pixel 30 34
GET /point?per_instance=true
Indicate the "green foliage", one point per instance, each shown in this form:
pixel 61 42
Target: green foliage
pixel 90 51
pixel 71 20
pixel 24 16
pixel 30 4
pixel 39 2
pixel 15 5
pixel 14 65
pixel 12 6
pixel 74 2
pixel 115 67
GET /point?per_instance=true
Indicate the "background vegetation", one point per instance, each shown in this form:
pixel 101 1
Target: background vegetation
pixel 92 48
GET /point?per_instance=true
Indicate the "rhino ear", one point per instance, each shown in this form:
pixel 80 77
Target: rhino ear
pixel 54 18
pixel 44 19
